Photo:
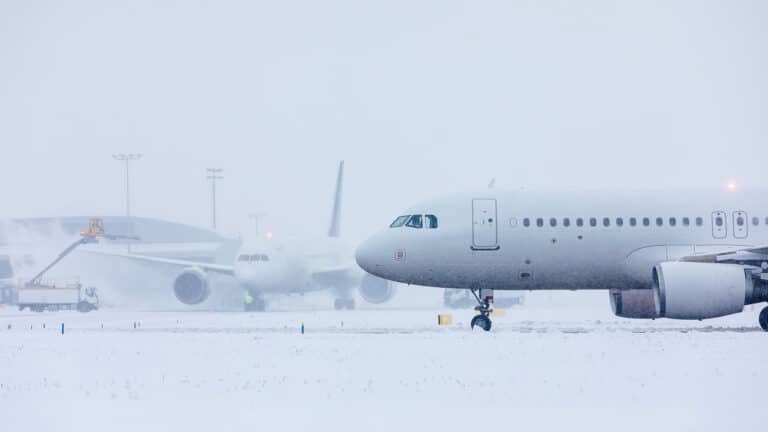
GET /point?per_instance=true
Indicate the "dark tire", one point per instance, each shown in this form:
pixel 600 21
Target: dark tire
pixel 84 307
pixel 763 319
pixel 481 321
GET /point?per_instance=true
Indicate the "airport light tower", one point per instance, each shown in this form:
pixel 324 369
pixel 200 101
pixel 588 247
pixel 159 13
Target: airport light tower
pixel 127 158
pixel 213 175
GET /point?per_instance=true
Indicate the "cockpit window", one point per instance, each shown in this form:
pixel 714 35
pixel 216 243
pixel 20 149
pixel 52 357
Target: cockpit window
pixel 242 258
pixel 431 221
pixel 264 257
pixel 416 221
pixel 400 221
pixel 255 257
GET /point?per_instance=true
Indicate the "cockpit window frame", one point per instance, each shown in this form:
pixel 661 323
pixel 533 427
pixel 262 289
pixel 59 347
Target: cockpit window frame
pixel 400 221
pixel 412 221
pixel 431 221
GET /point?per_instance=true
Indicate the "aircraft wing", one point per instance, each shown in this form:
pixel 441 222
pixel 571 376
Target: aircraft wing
pixel 332 275
pixel 750 255
pixel 209 267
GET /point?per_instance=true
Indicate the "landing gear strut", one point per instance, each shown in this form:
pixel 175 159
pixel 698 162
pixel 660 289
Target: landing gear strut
pixel 764 319
pixel 485 300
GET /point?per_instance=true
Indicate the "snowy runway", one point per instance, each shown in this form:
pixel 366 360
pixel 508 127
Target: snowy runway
pixel 378 370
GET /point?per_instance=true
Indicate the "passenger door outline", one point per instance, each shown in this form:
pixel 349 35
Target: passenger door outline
pixel 485 232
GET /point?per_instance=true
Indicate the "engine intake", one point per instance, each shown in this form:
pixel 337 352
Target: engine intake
pixel 191 286
pixel 375 289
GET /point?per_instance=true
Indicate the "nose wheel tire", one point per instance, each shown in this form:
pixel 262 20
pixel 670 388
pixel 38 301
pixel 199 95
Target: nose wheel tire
pixel 481 321
pixel 764 319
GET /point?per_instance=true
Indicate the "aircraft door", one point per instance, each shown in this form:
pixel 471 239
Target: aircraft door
pixel 484 225
pixel 719 224
pixel 740 225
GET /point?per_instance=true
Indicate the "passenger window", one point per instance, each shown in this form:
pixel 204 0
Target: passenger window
pixel 579 222
pixel 672 221
pixel 431 221
pixel 400 221
pixel 719 221
pixel 646 221
pixel 766 221
pixel 606 222
pixel 619 222
pixel 539 222
pixel 755 221
pixel 526 222
pixel 632 221
pixel 659 221
pixel 416 221
pixel 593 222
pixel 686 221
pixel 264 257
pixel 566 222
pixel 699 221
pixel 553 222
pixel 740 221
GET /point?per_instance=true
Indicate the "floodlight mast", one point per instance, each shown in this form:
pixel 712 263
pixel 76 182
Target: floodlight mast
pixel 127 158
pixel 213 174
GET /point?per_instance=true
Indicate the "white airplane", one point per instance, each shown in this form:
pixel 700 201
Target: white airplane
pixel 273 266
pixel 682 255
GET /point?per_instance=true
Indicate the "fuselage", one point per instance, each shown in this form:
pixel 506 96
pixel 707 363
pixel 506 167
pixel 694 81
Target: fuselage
pixel 288 266
pixel 520 240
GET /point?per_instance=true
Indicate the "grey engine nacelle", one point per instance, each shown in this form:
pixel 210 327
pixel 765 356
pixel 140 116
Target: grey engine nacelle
pixel 191 286
pixel 375 289
pixel 690 290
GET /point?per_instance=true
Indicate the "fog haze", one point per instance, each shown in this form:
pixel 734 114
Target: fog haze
pixel 419 98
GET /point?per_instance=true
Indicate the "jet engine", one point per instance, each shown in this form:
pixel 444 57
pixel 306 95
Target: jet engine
pixel 191 286
pixel 634 303
pixel 691 290
pixel 375 289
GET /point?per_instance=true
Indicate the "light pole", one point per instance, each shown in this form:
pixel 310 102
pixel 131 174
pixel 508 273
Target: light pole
pixel 127 158
pixel 213 175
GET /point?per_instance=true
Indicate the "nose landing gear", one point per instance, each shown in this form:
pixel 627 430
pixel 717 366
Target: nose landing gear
pixel 485 300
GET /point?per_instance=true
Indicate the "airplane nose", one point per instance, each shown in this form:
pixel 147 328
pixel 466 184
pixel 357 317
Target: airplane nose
pixel 364 255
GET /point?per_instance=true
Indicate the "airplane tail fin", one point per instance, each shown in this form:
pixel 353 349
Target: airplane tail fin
pixel 335 228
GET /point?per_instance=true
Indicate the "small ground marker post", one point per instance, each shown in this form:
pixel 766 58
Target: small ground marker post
pixel 62 328
pixel 302 327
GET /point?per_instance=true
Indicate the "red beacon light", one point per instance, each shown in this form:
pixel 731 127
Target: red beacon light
pixel 269 235
pixel 731 186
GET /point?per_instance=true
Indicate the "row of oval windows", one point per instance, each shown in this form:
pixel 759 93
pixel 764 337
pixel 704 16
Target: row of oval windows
pixel 685 221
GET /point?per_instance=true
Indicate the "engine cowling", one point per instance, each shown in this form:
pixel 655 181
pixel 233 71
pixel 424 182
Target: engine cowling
pixel 691 290
pixel 375 289
pixel 191 286
pixel 634 303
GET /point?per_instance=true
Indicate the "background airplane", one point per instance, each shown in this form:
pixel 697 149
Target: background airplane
pixel 272 265
pixel 683 255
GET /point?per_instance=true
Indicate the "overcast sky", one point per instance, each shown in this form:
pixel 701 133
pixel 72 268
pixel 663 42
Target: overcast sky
pixel 419 97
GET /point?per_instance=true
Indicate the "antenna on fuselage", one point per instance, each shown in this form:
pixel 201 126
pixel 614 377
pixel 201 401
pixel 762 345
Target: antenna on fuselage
pixel 335 229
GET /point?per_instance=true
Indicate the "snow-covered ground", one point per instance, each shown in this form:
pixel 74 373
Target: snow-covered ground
pixel 540 368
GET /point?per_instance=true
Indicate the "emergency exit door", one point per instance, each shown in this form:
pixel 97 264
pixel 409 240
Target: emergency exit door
pixel 740 225
pixel 484 225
